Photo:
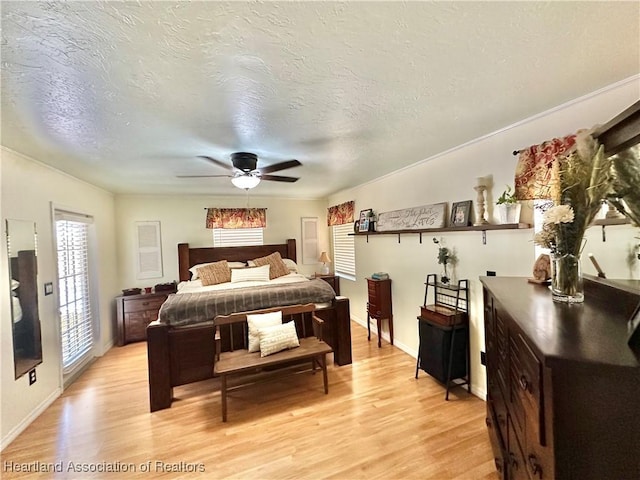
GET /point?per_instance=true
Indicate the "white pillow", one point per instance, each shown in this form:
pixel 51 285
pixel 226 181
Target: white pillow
pixel 14 284
pixel 277 338
pixel 257 321
pixel 194 269
pixel 250 274
pixel 291 265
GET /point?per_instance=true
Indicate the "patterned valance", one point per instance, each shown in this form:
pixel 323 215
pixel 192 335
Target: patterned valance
pixel 534 177
pixel 236 218
pixel 340 214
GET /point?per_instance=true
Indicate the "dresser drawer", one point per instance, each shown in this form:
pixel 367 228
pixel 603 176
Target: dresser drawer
pixel 526 385
pixel 143 304
pixel 135 325
pixel 497 442
pixel 134 313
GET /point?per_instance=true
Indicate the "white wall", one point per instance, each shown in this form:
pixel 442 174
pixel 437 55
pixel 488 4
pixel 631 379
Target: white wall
pixel 28 188
pixel 450 177
pixel 182 219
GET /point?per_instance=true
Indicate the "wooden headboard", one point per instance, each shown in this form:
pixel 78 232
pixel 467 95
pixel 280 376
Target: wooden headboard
pixel 188 257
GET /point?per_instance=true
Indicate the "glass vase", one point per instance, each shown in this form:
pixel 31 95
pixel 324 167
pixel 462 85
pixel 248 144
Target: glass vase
pixel 445 279
pixel 566 279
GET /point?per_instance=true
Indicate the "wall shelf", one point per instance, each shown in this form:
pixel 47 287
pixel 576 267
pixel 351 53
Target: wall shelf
pixel 604 222
pixel 474 228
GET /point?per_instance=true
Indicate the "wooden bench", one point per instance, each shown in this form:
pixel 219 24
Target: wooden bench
pixel 242 361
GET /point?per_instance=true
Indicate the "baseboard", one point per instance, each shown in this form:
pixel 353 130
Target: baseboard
pixel 475 390
pixel 18 429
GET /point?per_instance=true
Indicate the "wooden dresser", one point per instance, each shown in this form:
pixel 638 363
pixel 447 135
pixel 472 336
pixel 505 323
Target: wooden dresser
pixel 379 306
pixel 563 386
pixel 134 313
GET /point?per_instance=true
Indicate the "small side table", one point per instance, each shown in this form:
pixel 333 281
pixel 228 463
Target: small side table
pixel 332 280
pixel 379 306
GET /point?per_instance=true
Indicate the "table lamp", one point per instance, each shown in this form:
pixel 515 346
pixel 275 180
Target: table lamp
pixel 325 260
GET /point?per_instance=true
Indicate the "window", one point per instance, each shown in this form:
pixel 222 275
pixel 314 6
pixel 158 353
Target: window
pixel 76 318
pixel 344 254
pixel 237 237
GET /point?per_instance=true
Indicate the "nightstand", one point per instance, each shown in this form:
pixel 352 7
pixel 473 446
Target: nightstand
pixel 134 313
pixel 379 305
pixel 332 280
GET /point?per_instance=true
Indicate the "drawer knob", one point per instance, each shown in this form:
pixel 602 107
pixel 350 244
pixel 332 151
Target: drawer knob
pixel 513 461
pixel 498 464
pixel 524 383
pixel 487 420
pixel 536 469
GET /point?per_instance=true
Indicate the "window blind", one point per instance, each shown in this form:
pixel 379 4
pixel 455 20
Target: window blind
pixel 237 237
pixel 76 320
pixel 344 254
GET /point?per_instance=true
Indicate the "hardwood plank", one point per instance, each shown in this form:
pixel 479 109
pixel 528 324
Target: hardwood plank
pixel 376 422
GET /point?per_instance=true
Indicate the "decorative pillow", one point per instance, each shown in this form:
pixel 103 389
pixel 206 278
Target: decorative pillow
pixel 250 274
pixel 291 265
pixel 278 268
pixel 14 284
pixel 194 269
pixel 214 273
pixel 257 321
pixel 277 338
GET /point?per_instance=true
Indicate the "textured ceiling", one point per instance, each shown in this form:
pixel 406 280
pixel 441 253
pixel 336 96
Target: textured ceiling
pixel 126 95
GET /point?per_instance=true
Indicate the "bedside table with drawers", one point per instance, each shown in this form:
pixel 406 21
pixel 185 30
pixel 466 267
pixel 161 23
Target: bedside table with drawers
pixel 332 280
pixel 134 313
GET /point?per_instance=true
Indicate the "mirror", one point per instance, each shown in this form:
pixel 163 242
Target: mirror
pixel 23 285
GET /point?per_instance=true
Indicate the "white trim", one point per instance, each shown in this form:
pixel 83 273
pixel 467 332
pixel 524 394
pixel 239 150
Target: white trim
pixel 54 169
pixel 35 413
pixel 519 123
pixel 476 390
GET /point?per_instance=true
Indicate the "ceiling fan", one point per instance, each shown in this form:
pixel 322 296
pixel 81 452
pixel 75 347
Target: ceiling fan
pixel 245 174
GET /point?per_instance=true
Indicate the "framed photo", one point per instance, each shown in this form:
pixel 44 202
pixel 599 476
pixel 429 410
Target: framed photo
pixel 460 213
pixel 634 328
pixel 363 226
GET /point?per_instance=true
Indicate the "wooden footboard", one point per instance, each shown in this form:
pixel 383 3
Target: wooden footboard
pixel 177 356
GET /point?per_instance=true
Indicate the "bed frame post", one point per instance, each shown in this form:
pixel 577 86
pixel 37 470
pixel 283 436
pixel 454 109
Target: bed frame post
pixel 158 359
pixel 291 249
pixel 183 261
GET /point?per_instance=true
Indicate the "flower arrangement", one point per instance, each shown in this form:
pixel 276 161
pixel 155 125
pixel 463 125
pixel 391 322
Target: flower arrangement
pixel 625 181
pixel 445 257
pixel 582 180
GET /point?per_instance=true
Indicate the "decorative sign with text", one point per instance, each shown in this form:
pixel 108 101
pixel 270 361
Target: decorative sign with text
pixel 415 218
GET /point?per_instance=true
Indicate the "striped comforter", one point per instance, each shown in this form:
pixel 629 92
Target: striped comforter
pixel 191 308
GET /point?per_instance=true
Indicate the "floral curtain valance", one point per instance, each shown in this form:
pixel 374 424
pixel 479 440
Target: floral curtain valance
pixel 340 214
pixel 534 177
pixel 236 218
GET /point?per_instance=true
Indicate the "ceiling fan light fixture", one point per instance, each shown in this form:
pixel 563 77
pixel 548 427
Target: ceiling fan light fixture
pixel 245 182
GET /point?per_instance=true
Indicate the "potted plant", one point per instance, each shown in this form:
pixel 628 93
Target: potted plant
pixel 445 257
pixel 508 206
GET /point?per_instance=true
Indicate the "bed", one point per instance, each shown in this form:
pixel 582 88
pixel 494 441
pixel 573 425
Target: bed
pixel 184 352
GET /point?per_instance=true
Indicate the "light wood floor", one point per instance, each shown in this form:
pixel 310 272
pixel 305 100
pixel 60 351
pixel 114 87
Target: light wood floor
pixel 376 422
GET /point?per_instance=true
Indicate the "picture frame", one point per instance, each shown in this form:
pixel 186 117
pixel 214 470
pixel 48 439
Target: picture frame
pixel 634 328
pixel 460 212
pixel 363 226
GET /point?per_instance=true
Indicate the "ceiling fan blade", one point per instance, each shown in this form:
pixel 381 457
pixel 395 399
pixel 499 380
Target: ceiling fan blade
pixel 279 178
pixel 217 162
pixel 278 166
pixel 203 176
